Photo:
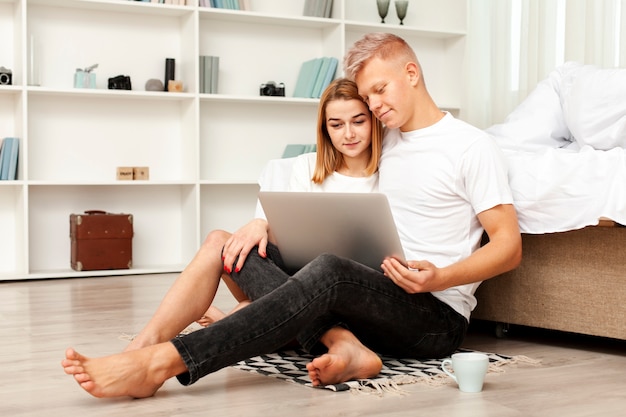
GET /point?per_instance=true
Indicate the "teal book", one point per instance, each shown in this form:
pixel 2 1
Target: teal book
pixel 327 73
pixel 13 155
pixel 315 71
pixel 304 76
pixel 292 150
pixel 330 73
pixel 7 145
pixel 3 146
pixel 321 76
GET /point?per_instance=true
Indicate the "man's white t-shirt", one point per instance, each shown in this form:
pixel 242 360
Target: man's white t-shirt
pixel 437 180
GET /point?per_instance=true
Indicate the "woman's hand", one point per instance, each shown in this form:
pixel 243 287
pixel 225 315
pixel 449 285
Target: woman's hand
pixel 419 276
pixel 241 243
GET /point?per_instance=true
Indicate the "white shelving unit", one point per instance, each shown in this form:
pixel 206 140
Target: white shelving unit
pixel 204 151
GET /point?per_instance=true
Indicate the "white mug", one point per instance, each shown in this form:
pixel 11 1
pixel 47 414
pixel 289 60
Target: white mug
pixel 469 369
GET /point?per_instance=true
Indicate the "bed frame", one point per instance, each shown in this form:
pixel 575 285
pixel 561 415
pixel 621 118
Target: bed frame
pixel 572 281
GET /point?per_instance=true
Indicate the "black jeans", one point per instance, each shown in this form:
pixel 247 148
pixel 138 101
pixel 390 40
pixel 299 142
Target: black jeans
pixel 327 292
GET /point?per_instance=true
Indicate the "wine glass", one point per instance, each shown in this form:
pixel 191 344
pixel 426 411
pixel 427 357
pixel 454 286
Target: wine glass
pixel 383 9
pixel 401 7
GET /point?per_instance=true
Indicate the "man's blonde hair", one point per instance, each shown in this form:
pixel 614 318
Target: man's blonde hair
pixel 377 45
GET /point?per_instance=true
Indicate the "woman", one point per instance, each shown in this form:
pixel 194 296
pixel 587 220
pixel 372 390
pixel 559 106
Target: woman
pixel 349 143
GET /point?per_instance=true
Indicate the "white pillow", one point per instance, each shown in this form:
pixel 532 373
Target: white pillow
pixel 594 105
pixel 537 122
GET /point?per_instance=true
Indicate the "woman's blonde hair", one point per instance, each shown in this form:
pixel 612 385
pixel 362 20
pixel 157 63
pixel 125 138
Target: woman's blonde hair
pixel 329 159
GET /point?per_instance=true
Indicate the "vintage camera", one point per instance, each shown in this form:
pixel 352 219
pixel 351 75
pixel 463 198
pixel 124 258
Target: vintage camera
pixel 6 76
pixel 121 82
pixel 272 89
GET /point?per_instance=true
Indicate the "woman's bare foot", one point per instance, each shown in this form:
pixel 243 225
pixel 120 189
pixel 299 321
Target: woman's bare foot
pixel 212 315
pixel 138 373
pixel 347 359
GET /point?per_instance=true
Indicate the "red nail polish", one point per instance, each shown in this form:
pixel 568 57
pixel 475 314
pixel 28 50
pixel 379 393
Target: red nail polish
pixel 237 269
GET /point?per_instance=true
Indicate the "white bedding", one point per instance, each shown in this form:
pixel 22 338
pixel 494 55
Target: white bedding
pixel 566 146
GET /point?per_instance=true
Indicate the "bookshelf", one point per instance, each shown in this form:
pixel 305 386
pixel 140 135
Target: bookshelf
pixel 205 151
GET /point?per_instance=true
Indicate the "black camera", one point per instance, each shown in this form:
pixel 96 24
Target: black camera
pixel 121 82
pixel 6 76
pixel 272 89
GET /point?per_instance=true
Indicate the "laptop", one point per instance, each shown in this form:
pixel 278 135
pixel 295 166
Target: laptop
pixel 358 226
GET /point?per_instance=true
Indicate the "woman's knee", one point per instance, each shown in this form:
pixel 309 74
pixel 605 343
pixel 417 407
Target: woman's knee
pixel 216 238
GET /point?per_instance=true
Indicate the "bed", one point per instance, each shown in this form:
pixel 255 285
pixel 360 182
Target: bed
pixel 566 147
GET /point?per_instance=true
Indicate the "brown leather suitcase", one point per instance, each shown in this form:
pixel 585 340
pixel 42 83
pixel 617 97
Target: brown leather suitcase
pixel 101 240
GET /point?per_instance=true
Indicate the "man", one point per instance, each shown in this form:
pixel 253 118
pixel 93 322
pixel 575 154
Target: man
pixel 446 182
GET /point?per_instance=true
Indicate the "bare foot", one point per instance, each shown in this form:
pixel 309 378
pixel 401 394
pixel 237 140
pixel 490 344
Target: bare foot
pixel 347 359
pixel 212 315
pixel 138 373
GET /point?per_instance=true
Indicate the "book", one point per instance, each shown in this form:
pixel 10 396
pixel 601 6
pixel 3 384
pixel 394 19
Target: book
pixel 209 72
pixel 325 76
pixel 3 149
pixel 315 70
pixel 319 79
pixel 201 71
pixel 215 67
pixel 304 78
pixel 12 172
pixel 293 150
pixel 7 156
pixel 317 8
pixel 329 74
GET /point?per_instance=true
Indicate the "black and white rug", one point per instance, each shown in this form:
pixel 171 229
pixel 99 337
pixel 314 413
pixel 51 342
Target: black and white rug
pixel 290 366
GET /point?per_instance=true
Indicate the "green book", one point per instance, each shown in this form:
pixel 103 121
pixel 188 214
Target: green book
pixel 315 70
pixel 306 70
pixel 293 150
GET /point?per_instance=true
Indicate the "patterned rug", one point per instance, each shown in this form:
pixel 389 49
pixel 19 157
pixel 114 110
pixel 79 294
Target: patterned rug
pixel 290 366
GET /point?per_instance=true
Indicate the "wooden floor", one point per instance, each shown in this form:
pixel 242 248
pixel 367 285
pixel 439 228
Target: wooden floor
pixel 579 376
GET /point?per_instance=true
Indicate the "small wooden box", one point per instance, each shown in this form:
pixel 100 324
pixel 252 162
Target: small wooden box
pixel 101 240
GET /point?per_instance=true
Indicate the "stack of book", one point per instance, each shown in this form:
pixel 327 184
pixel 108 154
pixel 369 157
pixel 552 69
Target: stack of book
pixel 314 77
pixel 318 8
pixel 293 149
pixel 8 158
pixel 209 70
pixel 226 4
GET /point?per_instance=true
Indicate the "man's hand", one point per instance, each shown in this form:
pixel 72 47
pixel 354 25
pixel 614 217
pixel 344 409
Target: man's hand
pixel 420 276
pixel 241 243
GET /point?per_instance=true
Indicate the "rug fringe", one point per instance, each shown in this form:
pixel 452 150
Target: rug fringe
pixel 378 387
pixel 382 386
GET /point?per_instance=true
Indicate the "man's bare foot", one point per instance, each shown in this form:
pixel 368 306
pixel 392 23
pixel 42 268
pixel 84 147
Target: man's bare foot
pixel 138 373
pixel 347 359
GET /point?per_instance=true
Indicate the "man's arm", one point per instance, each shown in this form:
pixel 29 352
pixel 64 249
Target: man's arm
pixel 501 254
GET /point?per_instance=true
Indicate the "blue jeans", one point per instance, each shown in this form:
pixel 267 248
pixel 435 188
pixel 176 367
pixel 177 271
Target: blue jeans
pixel 329 291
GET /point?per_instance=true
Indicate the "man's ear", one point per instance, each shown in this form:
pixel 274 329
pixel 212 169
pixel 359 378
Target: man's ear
pixel 413 72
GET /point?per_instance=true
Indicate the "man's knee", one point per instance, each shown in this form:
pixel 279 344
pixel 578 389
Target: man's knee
pixel 330 263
